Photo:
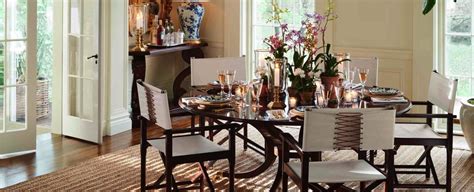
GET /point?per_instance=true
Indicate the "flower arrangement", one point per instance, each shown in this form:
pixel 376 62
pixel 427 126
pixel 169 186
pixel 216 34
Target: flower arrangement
pixel 276 42
pixel 304 44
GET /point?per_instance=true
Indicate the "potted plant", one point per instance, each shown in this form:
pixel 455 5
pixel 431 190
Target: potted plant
pixel 330 74
pixel 304 44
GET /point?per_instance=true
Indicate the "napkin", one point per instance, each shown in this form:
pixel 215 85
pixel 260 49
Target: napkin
pixel 389 100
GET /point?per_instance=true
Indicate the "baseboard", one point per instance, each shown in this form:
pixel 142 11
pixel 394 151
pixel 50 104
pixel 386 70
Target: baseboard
pixel 10 155
pixel 119 124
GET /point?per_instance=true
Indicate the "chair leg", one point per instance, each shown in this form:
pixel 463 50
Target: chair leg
pixel 246 137
pixel 449 152
pixel 169 177
pixel 231 174
pixel 430 165
pixel 206 176
pixel 142 168
pixel 284 182
pixel 427 162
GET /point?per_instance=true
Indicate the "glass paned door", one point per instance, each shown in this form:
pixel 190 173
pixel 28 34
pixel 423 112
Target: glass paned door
pixel 17 77
pixel 81 108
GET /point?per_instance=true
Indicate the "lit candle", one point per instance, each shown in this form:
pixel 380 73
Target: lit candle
pixel 348 97
pixel 238 92
pixel 354 95
pixel 277 75
pixel 293 102
pixel 139 20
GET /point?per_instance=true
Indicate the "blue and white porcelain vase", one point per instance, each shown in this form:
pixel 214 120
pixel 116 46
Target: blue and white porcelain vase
pixel 190 15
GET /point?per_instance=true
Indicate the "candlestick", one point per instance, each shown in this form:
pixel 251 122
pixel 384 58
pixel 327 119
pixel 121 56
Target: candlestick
pixel 139 19
pixel 293 102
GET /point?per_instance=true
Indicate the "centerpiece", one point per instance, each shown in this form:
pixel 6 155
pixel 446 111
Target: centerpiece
pixel 303 46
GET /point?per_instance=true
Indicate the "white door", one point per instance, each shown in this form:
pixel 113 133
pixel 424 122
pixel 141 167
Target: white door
pixel 17 77
pixel 81 107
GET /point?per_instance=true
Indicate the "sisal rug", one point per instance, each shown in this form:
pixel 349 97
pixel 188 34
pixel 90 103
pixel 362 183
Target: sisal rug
pixel 120 170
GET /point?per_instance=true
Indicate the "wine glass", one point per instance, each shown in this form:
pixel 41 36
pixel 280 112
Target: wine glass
pixel 230 77
pixel 222 80
pixel 352 76
pixel 322 97
pixel 363 73
pixel 257 85
pixel 338 89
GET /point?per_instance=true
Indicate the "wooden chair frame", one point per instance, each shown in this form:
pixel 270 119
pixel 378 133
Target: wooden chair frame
pixel 428 144
pixel 170 162
pixel 289 143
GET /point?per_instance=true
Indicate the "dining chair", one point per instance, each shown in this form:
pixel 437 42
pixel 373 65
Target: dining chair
pixel 204 71
pixel 369 63
pixel 341 129
pixel 178 146
pixel 442 94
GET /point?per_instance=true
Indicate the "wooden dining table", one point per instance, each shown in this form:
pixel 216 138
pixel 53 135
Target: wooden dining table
pixel 257 117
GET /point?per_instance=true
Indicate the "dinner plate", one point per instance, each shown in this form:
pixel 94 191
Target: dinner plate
pixel 213 100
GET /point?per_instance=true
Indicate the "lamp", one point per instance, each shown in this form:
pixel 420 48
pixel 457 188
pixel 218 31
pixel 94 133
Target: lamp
pixel 190 14
pixel 138 18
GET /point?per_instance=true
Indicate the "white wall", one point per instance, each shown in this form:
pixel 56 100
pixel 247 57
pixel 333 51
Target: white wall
pixel 395 31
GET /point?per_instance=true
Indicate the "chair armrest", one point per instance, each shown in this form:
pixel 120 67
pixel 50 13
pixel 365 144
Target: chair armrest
pixel 420 115
pixel 292 143
pixel 232 126
pixel 421 103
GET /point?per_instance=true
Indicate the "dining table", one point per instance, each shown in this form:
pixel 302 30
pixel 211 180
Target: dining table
pixel 269 128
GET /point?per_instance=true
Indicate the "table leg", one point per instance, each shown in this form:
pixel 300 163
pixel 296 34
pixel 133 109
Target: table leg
pixel 139 71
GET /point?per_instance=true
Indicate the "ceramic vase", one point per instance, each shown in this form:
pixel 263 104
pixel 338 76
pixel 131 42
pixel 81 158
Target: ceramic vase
pixel 190 16
pixel 467 122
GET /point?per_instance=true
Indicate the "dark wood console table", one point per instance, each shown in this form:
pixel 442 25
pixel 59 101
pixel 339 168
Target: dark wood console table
pixel 139 71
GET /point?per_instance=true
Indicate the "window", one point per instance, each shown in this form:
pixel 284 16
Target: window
pixel 458 49
pixel 261 12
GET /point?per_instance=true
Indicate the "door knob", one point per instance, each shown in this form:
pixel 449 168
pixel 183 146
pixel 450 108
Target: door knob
pixel 96 56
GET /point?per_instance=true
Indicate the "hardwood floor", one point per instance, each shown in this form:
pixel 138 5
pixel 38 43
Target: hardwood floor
pixel 55 152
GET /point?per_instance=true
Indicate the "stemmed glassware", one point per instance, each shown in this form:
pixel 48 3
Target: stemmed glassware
pixel 230 77
pixel 221 77
pixel 338 89
pixel 352 72
pixel 244 88
pixel 363 74
pixel 257 85
pixel 322 96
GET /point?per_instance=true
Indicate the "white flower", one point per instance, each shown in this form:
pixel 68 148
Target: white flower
pixel 311 74
pixel 302 75
pixel 298 72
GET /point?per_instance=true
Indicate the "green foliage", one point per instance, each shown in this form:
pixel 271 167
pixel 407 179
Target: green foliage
pixel 330 62
pixel 310 68
pixel 44 40
pixel 429 4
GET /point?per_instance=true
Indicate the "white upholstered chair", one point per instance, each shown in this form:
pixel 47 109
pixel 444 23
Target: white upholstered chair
pixel 204 70
pixel 369 63
pixel 441 93
pixel 174 150
pixel 340 129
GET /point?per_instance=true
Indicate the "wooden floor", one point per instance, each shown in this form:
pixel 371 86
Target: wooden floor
pixel 55 152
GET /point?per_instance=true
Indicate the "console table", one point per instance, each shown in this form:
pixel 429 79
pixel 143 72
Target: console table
pixel 139 71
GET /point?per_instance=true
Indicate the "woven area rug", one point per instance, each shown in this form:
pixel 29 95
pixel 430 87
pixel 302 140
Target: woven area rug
pixel 120 170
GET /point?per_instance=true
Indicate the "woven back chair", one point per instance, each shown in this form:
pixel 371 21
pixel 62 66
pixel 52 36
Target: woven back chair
pixel 187 147
pixel 369 63
pixel 341 129
pixel 441 93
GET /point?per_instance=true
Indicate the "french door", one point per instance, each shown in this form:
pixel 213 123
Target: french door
pixel 81 107
pixel 17 77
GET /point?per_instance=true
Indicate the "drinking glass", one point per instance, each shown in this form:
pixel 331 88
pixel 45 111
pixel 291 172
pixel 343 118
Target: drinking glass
pixel 352 72
pixel 338 89
pixel 363 73
pixel 257 90
pixel 221 78
pixel 322 97
pixel 243 87
pixel 229 78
